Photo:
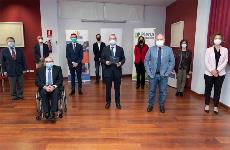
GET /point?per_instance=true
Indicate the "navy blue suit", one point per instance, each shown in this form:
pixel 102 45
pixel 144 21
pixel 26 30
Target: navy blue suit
pixel 112 72
pixel 75 55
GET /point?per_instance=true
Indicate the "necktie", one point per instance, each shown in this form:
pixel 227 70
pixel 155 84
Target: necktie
pixel 159 60
pixel 49 77
pixel 74 46
pixel 13 54
pixel 112 51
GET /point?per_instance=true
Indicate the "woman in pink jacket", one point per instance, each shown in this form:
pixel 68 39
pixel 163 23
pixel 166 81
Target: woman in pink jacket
pixel 216 59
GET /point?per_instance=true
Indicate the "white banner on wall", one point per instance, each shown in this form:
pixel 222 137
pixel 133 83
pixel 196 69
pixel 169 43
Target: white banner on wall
pixel 83 39
pixel 106 32
pixel 149 35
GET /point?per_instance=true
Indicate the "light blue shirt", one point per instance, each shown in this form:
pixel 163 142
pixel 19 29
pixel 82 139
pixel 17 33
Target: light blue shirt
pixel 47 75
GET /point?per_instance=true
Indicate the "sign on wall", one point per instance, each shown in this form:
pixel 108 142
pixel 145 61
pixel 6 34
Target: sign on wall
pixel 177 33
pixel 83 39
pixel 11 29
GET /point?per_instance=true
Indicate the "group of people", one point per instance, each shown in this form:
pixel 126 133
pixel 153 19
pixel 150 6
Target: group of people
pixel 157 61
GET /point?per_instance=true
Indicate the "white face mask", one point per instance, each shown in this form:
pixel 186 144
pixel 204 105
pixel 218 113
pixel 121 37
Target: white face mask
pixel 183 45
pixel 11 44
pixel 40 40
pixel 112 42
pixel 160 43
pixel 49 65
pixel 217 42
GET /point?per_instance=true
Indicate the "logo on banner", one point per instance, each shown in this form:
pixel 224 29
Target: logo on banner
pixel 146 35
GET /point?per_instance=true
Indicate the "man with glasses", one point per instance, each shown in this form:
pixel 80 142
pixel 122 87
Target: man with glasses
pixel 49 80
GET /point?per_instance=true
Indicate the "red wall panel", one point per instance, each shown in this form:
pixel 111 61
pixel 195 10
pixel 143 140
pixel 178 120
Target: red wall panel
pixel 28 12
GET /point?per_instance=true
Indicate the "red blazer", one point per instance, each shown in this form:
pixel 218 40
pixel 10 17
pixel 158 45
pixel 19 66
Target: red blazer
pixel 138 55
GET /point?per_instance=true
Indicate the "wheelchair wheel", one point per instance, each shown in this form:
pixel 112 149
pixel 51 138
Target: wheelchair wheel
pixel 60 114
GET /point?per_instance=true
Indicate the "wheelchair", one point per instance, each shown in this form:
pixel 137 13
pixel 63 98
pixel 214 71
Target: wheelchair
pixel 62 104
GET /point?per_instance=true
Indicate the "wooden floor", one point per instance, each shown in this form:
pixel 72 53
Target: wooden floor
pixel 88 126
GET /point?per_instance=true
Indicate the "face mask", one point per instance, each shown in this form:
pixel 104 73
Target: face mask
pixel 217 41
pixel 160 43
pixel 141 41
pixel 74 40
pixel 183 45
pixel 40 40
pixel 11 44
pixel 49 65
pixel 112 42
pixel 99 39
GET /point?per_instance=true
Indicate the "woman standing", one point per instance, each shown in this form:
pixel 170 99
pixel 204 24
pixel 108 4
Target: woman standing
pixel 140 51
pixel 183 66
pixel 216 59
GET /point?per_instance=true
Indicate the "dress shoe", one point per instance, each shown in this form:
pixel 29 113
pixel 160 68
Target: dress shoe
pixel 47 115
pixel 72 93
pixel 20 97
pixel 14 98
pixel 80 92
pixel 150 108
pixel 177 93
pixel 107 106
pixel 97 81
pixel 162 109
pixel 142 87
pixel 206 108
pixel 138 86
pixel 53 116
pixel 216 111
pixel 181 94
pixel 118 105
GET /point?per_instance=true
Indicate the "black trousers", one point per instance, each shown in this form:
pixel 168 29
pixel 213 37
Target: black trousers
pixel 97 70
pixel 140 69
pixel 49 100
pixel 217 82
pixel 73 72
pixel 117 84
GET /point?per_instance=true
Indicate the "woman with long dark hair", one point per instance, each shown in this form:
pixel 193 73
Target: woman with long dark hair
pixel 140 51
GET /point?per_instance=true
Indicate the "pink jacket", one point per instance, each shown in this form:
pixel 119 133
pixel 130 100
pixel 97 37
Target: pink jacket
pixel 210 61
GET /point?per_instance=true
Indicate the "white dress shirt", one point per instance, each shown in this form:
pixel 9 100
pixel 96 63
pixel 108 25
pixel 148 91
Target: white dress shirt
pixel 41 49
pixel 11 51
pixel 47 75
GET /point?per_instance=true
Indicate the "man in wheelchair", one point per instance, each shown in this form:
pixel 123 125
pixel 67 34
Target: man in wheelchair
pixel 49 80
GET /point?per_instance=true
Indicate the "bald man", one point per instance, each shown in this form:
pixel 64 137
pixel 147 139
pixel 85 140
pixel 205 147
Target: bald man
pixel 49 80
pixel 159 62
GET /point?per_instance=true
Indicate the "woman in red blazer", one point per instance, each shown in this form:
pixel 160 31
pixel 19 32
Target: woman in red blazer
pixel 140 51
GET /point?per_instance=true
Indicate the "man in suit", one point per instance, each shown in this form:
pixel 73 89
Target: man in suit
pixel 49 80
pixel 97 49
pixel 159 62
pixel 41 51
pixel 113 57
pixel 74 55
pixel 13 66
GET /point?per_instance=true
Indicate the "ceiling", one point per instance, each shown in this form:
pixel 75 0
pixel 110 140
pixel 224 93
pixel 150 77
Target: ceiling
pixel 135 2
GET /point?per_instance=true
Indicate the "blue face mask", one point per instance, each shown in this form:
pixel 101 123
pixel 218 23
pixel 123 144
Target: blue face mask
pixel 49 65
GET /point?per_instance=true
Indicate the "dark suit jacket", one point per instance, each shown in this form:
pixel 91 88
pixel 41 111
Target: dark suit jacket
pixel 13 67
pixel 97 51
pixel 37 53
pixel 40 80
pixel 110 69
pixel 74 55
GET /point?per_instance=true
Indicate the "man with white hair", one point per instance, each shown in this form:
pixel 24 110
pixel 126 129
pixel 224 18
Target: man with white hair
pixel 49 80
pixel 113 58
pixel 159 62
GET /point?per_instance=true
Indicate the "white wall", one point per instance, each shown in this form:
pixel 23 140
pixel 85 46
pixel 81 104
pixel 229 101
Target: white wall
pixel 198 84
pixel 153 17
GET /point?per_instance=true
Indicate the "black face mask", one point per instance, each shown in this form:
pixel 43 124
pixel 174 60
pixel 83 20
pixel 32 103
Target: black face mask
pixel 99 39
pixel 141 42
